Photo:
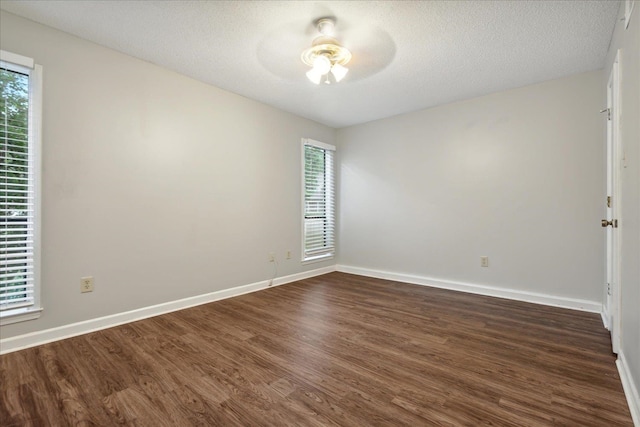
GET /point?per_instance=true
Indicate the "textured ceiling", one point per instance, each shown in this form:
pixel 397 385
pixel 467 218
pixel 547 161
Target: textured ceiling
pixel 406 55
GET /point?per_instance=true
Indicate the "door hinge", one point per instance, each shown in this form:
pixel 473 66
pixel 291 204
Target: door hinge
pixel 608 111
pixel 608 201
pixel 608 288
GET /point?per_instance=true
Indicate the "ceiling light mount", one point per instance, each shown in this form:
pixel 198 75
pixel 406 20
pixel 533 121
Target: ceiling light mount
pixel 325 26
pixel 326 55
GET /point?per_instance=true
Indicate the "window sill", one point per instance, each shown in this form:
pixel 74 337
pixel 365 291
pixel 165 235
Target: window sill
pixel 317 258
pixel 19 315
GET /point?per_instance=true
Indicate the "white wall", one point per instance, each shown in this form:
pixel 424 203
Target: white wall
pixel 159 186
pixel 517 176
pixel 628 41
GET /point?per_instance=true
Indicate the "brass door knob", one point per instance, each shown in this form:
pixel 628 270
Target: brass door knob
pixel 613 223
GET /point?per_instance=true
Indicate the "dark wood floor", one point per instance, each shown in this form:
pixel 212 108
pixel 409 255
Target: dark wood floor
pixel 333 350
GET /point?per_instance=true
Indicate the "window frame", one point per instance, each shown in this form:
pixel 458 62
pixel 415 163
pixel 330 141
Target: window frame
pixel 26 65
pixel 330 251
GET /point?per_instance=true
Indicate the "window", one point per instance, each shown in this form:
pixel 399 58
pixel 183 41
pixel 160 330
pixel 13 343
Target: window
pixel 318 231
pixel 20 91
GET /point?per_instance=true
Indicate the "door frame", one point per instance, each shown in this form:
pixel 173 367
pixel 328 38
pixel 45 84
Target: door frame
pixel 613 247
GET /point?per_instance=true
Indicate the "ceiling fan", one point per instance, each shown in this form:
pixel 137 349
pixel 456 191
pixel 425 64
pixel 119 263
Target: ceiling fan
pixel 326 56
pixel 285 51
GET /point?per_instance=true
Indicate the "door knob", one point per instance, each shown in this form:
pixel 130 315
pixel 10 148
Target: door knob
pixel 613 223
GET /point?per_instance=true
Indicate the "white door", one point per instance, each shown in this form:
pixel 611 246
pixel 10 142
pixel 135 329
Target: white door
pixel 612 221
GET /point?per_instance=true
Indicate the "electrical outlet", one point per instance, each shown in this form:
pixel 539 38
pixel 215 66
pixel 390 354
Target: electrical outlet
pixel 272 257
pixel 484 261
pixel 288 254
pixel 86 284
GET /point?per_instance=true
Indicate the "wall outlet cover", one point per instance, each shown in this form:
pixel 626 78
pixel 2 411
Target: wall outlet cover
pixel 86 284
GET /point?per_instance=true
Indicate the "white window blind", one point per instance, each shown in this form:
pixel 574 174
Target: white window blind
pixel 18 143
pixel 319 200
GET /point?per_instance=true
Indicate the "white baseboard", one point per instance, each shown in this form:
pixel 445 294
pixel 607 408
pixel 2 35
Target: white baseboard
pixel 605 317
pixel 33 339
pixel 630 388
pixel 532 297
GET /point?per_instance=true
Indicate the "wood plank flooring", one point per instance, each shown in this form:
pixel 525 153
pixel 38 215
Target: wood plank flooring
pixel 333 350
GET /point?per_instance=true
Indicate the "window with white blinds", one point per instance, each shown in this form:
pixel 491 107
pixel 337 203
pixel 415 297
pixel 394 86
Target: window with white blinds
pixel 318 233
pixel 20 82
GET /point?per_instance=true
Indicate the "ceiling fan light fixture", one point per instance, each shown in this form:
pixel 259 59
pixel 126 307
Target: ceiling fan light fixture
pixel 326 55
pixel 322 64
pixel 314 76
pixel 339 72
